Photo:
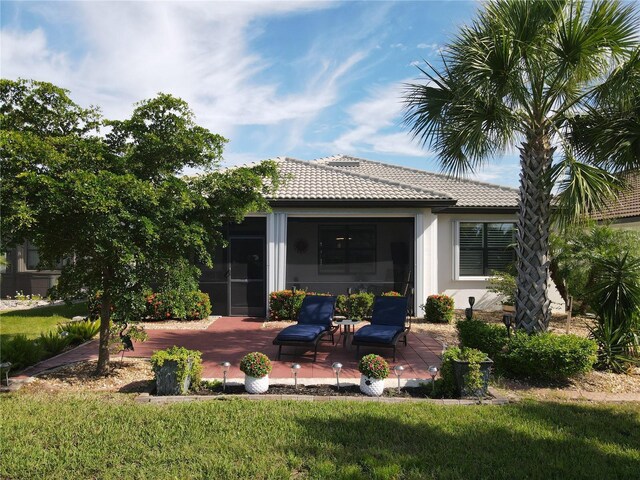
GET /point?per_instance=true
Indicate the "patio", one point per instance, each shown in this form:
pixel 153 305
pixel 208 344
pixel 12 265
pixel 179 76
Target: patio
pixel 230 338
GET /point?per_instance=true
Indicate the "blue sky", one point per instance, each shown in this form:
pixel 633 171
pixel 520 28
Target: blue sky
pixel 301 79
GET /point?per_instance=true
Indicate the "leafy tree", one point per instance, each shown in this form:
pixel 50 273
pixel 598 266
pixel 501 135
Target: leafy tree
pixel 114 204
pixel 543 76
pixel 575 249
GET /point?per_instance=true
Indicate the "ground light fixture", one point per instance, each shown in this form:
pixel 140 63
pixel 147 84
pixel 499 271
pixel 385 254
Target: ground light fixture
pixel 295 367
pixel 433 371
pixel 225 370
pixel 468 312
pixel 507 320
pixel 337 366
pixel 398 370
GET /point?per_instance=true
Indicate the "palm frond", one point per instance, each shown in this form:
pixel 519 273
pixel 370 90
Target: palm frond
pixel 582 190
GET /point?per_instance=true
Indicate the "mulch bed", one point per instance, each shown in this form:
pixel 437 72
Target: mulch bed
pixel 318 391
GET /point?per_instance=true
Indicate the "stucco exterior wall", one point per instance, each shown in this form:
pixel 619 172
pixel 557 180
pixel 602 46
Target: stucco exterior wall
pixel 462 288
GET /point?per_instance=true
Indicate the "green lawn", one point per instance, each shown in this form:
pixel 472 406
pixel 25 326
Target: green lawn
pixel 36 320
pixel 108 436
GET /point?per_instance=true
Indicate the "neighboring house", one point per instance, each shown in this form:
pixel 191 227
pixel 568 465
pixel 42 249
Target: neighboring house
pixel 341 224
pixel 22 275
pixel 625 212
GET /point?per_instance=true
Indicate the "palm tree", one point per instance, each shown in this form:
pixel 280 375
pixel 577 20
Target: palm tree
pixel 542 77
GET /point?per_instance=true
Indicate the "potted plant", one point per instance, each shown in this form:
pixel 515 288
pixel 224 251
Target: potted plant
pixel 472 369
pixel 256 367
pixel 374 370
pixel 176 369
pixel 504 284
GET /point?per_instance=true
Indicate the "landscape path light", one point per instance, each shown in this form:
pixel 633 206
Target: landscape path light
pixel 398 370
pixel 295 367
pixel 225 370
pixel 433 371
pixel 337 366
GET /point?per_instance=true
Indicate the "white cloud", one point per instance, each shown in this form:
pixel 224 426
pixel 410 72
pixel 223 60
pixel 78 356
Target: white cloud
pixel 195 50
pixel 372 120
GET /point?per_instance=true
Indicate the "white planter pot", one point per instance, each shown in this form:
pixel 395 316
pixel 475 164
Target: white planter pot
pixel 256 385
pixel 371 386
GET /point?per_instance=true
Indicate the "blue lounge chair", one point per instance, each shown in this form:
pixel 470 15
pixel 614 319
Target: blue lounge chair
pixel 314 323
pixel 388 325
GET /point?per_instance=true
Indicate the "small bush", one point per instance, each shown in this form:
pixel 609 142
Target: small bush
pixel 80 332
pixel 491 339
pixel 174 304
pixel 618 344
pixel 255 364
pixel 21 352
pixel 373 366
pixel 52 343
pixel 391 293
pixel 548 356
pixel 438 309
pixel 181 356
pixel 360 305
pixel 285 305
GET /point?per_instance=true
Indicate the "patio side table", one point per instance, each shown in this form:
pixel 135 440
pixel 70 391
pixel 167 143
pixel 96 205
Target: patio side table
pixel 347 328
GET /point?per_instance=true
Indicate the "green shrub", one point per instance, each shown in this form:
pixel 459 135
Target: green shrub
pixel 360 305
pixel 618 344
pixel 80 332
pixel 53 343
pixel 174 304
pixel 21 352
pixel 181 356
pixel 548 356
pixel 438 309
pixel 504 284
pixel 491 339
pixel 285 305
pixel 255 364
pixel 373 366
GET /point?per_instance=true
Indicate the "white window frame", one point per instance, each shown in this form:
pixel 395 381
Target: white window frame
pixel 456 248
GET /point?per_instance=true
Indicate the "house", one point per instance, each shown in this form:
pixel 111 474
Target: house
pixel 342 224
pixel 625 212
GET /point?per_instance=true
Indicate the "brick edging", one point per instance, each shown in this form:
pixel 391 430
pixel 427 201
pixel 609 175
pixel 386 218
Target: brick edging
pixel 159 400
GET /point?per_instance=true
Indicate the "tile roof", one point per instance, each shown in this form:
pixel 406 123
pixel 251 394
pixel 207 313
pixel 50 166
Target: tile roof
pixel 303 180
pixel 628 203
pixel 468 193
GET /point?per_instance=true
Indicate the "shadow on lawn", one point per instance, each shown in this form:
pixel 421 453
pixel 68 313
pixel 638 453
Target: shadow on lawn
pixel 528 440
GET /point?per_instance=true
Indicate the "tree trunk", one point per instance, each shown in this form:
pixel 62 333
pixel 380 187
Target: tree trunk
pixel 105 320
pixel 532 300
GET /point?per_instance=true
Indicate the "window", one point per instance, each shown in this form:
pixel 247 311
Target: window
pixel 33 258
pixel 347 249
pixel 485 247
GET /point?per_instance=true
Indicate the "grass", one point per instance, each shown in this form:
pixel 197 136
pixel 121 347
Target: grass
pixel 110 437
pixel 34 321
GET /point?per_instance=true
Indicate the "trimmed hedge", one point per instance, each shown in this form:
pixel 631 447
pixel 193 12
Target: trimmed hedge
pixel 285 305
pixel 193 305
pixel 438 309
pixel 355 306
pixel 491 339
pixel 548 356
pixel 539 356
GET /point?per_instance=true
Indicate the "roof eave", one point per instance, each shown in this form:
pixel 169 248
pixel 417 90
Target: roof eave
pixel 350 202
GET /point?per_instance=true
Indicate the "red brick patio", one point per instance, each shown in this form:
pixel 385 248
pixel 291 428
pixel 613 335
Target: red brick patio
pixel 229 338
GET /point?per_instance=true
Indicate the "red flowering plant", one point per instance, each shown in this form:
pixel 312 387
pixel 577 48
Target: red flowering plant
pixel 374 366
pixel 255 364
pixel 285 305
pixel 438 309
pixel 391 293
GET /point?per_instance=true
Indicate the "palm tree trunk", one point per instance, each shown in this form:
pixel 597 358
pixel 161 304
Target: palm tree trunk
pixel 532 300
